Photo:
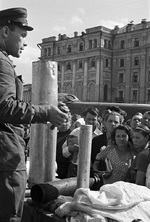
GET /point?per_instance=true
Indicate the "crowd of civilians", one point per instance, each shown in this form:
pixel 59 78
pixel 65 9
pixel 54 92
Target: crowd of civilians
pixel 120 149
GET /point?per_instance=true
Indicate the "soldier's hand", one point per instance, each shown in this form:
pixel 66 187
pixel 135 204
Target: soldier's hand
pixel 55 116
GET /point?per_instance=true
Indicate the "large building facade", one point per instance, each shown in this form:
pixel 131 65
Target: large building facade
pixel 103 65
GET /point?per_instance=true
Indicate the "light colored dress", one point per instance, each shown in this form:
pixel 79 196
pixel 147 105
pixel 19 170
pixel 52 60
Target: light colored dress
pixel 119 165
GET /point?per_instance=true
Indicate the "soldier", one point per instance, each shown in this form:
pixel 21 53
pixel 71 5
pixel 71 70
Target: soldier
pixel 13 113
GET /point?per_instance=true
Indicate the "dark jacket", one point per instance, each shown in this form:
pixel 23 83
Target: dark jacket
pixel 97 143
pixel 13 113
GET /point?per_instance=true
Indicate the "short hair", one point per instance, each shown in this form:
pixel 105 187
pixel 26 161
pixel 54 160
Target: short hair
pixel 107 113
pixel 137 114
pixel 93 111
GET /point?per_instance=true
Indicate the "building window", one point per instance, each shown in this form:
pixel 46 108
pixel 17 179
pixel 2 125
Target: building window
pixel 68 66
pixel 122 44
pixel 81 47
pixel 121 98
pixel 68 48
pixel 58 50
pixel 135 77
pixel 59 69
pixel 49 51
pixel 148 75
pixel 45 52
pixel 90 44
pixel 135 95
pixel 121 62
pixel 105 43
pixel 80 64
pixel 109 44
pixel 93 63
pixel 148 95
pixel 95 43
pixel 121 78
pixel 136 61
pixel 107 63
pixel 136 42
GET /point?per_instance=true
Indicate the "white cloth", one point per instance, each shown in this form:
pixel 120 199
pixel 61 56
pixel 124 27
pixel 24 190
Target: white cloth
pixel 120 201
pixel 80 121
pixel 148 176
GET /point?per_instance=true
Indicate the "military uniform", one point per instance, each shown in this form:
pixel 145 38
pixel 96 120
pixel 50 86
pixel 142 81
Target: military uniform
pixel 13 114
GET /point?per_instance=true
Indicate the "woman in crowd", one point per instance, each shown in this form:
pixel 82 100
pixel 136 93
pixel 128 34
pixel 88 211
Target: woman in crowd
pixel 117 156
pixel 140 138
pixel 110 120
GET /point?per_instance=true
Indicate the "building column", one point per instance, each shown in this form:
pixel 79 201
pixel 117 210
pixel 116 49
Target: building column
pixel 97 79
pixel 62 77
pixel 101 80
pixel 85 80
pixel 74 76
pixel 142 78
pixel 127 79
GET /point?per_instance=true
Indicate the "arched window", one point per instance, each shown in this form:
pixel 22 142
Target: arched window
pixel 79 91
pixel 68 88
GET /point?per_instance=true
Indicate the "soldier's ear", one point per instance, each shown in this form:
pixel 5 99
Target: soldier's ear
pixel 5 31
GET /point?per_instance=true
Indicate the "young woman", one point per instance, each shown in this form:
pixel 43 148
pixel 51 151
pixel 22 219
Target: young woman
pixel 117 156
pixel 110 119
pixel 140 163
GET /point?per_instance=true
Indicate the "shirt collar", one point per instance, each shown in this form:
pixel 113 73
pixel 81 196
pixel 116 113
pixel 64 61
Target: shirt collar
pixel 97 132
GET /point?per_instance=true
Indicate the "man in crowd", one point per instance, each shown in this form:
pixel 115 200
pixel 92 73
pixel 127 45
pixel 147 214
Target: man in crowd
pixel 13 113
pixel 91 118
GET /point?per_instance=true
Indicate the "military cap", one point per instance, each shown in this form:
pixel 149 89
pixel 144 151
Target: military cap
pixel 16 16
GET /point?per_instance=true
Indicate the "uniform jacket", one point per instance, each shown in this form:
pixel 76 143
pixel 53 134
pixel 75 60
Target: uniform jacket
pixel 13 113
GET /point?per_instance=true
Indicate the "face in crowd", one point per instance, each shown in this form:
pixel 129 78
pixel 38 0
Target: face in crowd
pixel 112 121
pixel 121 138
pixel 140 137
pixel 136 120
pixel 91 119
pixel 146 119
pixel 66 125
